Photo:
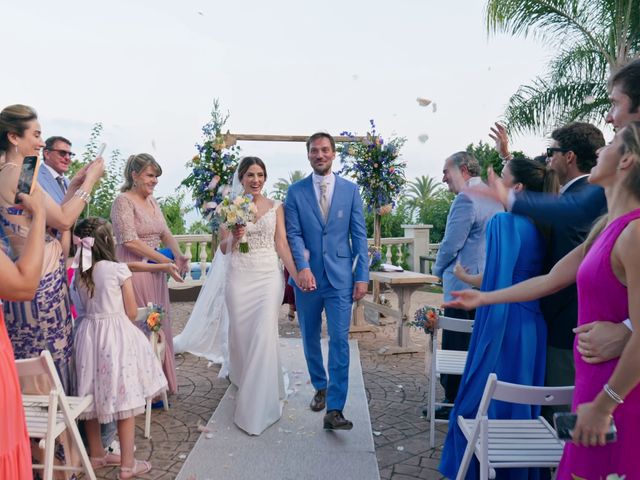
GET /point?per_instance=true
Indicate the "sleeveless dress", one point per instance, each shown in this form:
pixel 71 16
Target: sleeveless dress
pixel 131 222
pixel 508 339
pixel 253 297
pixel 15 451
pixel 602 297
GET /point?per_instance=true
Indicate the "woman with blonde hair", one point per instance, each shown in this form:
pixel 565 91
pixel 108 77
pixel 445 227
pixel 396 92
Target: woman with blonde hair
pixel 140 229
pixel 606 269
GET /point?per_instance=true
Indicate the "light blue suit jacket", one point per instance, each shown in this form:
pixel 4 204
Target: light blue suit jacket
pixel 332 247
pixel 49 184
pixel 464 240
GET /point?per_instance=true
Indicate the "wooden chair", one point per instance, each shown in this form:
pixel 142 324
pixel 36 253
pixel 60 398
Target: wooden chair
pixel 140 318
pixel 48 416
pixel 512 443
pixel 449 362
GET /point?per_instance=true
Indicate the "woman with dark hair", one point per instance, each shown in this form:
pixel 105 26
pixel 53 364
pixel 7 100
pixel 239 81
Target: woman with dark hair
pixel 140 228
pixel 509 340
pixel 235 319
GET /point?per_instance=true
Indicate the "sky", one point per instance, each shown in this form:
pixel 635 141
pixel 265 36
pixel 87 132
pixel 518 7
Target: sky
pixel 149 70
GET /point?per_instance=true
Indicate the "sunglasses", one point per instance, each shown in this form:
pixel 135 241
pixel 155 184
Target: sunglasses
pixel 552 150
pixel 62 153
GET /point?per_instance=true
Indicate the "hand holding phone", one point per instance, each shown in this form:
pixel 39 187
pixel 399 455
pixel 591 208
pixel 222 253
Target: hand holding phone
pixel 101 149
pixel 565 423
pixel 28 174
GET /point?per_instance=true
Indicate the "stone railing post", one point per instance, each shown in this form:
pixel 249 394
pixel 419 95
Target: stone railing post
pixel 420 246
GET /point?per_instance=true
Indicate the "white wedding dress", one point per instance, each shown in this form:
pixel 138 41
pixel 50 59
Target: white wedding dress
pixel 235 322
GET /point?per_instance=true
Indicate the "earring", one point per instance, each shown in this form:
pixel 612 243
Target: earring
pixel 16 148
pixel 135 184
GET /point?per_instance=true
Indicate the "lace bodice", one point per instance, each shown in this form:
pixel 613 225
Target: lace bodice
pixel 262 246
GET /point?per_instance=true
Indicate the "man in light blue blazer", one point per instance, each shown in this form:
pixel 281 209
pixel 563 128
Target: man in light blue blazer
pixel 328 240
pixel 463 242
pixel 57 156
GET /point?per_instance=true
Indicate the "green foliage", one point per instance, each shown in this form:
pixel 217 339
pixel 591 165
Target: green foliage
pixel 488 157
pixel 435 213
pixel 199 227
pixel 106 190
pixel 592 38
pixel 391 224
pixel 419 195
pixel 282 185
pixel 174 211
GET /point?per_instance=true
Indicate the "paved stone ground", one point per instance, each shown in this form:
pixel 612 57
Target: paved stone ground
pixel 396 388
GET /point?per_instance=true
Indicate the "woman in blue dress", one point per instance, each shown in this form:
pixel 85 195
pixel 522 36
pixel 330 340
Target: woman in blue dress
pixel 508 339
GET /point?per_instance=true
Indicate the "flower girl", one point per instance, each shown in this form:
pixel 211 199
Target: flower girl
pixel 114 359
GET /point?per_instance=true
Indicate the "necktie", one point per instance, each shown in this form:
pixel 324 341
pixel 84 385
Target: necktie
pixel 324 201
pixel 63 187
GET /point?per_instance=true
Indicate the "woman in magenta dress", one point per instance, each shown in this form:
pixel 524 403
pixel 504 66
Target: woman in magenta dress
pixel 606 269
pixel 140 228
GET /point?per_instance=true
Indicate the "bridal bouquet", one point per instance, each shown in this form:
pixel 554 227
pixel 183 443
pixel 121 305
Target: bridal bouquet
pixel 426 317
pixel 239 211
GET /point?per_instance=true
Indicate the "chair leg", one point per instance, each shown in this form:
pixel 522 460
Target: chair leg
pixel 147 420
pixel 165 401
pixel 432 412
pixel 72 428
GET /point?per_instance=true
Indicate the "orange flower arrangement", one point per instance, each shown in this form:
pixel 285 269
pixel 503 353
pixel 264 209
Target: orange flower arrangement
pixel 426 317
pixel 155 314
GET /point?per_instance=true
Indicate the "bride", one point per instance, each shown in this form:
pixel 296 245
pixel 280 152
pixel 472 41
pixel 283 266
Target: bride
pixel 235 319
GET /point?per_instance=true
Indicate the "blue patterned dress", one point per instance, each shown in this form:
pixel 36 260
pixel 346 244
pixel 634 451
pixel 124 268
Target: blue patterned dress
pixel 45 322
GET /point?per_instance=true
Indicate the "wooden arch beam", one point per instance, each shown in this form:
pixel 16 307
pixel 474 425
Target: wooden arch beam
pixel 231 139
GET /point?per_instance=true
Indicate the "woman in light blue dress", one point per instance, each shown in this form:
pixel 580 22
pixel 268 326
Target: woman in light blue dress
pixel 508 339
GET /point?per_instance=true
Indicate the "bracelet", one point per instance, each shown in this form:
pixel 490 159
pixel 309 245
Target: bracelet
pixel 613 395
pixel 506 158
pixel 82 195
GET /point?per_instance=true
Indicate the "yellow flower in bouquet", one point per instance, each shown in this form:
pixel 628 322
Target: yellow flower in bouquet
pixel 239 211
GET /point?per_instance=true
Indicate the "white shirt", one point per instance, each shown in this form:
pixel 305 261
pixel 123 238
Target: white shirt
pixel 330 180
pixel 54 174
pixel 571 182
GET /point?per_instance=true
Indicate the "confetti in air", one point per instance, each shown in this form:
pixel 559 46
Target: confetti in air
pixel 589 100
pixel 423 102
pixel 423 138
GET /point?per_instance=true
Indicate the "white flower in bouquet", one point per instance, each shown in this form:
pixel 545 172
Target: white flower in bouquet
pixel 237 212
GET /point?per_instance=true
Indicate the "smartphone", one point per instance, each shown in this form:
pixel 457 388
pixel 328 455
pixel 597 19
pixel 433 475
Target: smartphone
pixel 28 175
pixel 565 422
pixel 101 149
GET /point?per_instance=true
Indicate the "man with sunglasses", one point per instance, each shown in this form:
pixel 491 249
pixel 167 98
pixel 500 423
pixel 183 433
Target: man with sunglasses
pixel 57 157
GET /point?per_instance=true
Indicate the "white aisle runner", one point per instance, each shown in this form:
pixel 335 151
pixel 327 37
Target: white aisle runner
pixel 296 447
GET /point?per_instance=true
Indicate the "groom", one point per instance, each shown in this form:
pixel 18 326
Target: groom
pixel 328 240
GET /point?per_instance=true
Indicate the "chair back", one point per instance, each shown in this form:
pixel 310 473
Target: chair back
pixel 524 394
pixel 455 324
pixel 41 365
pixel 142 314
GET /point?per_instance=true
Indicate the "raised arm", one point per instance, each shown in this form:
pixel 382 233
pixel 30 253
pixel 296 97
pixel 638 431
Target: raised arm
pixel 21 279
pixel 561 275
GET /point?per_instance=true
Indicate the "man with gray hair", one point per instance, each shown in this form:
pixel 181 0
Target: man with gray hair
pixel 464 242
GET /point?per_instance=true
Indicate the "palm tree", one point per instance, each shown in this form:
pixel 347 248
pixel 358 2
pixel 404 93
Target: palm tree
pixel 281 186
pixel 420 194
pixel 592 37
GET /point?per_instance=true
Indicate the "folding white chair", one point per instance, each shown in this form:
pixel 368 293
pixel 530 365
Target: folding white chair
pixel 48 416
pixel 141 317
pixel 512 443
pixel 449 362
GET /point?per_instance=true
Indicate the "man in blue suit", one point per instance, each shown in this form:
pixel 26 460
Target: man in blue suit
pixel 57 156
pixel 328 240
pixel 463 242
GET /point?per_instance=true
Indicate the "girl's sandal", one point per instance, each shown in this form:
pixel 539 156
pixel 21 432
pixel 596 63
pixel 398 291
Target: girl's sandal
pixel 109 460
pixel 140 467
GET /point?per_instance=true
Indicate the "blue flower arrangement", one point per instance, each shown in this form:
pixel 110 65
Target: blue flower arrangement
pixel 376 167
pixel 212 167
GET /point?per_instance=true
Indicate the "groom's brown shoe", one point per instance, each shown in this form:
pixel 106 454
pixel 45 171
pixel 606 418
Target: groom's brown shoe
pixel 334 420
pixel 318 400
